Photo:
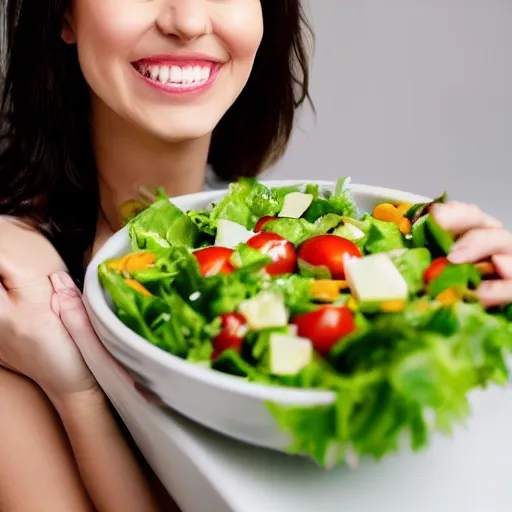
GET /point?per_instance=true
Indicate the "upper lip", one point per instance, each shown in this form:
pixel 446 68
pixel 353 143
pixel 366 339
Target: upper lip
pixel 180 57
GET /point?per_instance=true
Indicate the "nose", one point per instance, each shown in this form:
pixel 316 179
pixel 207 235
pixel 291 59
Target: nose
pixel 185 19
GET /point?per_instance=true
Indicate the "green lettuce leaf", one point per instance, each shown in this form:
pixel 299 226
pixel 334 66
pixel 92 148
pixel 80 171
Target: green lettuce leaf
pixel 299 230
pixel 400 377
pixel 167 321
pixel 459 277
pixel 412 264
pixel 383 237
pixel 340 202
pixel 248 201
pixel 161 225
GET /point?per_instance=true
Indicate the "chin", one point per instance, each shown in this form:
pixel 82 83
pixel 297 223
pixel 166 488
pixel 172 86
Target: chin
pixel 193 129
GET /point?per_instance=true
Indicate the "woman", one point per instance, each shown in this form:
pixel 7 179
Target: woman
pixel 101 98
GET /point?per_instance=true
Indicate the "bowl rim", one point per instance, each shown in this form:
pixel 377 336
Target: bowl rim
pixel 97 305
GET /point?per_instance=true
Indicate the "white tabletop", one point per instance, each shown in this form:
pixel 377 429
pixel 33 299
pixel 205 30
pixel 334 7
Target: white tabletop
pixel 206 472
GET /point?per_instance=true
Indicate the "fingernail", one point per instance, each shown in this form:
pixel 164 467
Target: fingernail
pixel 57 282
pixel 62 281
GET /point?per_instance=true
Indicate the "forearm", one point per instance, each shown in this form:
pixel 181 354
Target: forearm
pixel 107 466
pixel 37 468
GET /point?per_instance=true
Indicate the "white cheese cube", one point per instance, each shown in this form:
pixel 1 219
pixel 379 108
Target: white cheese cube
pixel 264 311
pixel 230 234
pixel 289 354
pixel 375 279
pixel 295 204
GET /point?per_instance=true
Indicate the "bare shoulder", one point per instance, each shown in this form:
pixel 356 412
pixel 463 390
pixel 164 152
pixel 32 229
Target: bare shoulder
pixel 26 255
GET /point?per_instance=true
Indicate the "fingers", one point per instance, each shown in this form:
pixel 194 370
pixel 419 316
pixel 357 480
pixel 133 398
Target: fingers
pixel 498 292
pixel 457 218
pixel 503 265
pixel 482 240
pixel 479 244
pixel 495 293
pixel 67 304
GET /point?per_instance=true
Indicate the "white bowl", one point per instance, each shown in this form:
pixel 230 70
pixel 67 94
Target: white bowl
pixel 224 403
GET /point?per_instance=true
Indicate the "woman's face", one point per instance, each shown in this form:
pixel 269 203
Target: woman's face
pixel 170 67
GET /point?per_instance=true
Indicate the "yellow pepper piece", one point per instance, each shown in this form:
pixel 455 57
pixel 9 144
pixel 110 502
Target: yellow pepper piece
pixel 403 208
pixel 327 289
pixel 448 297
pixel 405 225
pixel 392 306
pixel 133 262
pixel 386 212
pixel 135 285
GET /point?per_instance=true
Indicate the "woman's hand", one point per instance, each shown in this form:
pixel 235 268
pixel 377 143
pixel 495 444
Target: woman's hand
pixel 480 237
pixel 33 340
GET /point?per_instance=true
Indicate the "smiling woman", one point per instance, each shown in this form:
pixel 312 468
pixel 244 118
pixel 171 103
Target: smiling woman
pixel 99 99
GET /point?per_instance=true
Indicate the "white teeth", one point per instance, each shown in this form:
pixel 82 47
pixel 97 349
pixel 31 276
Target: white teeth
pixel 188 75
pixel 177 75
pixel 154 72
pixel 164 74
pixel 205 73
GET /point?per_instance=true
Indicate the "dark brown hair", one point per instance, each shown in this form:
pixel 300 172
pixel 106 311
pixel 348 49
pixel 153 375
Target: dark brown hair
pixel 47 168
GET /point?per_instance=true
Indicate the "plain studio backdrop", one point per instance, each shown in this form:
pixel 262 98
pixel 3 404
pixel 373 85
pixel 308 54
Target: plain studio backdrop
pixel 411 94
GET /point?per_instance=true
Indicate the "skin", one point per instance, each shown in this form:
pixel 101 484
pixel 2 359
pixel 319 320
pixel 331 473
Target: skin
pixel 135 127
pixel 54 415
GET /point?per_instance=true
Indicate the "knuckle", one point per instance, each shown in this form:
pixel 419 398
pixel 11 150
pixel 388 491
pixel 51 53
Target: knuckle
pixel 475 211
pixel 69 294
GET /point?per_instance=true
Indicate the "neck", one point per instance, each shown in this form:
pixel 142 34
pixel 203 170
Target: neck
pixel 128 158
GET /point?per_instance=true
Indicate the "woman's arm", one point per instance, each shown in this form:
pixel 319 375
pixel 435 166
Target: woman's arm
pixel 35 343
pixel 37 468
pixel 106 464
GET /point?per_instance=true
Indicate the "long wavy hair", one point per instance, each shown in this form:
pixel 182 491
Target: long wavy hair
pixel 47 166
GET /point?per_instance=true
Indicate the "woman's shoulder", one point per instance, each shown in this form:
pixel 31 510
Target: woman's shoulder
pixel 26 255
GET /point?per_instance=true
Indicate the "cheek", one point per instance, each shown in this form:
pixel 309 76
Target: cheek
pixel 104 31
pixel 241 29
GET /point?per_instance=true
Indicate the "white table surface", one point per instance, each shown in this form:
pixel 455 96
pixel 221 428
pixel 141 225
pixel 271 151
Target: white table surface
pixel 206 472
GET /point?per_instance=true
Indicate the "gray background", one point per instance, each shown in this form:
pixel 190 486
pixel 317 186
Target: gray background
pixel 411 94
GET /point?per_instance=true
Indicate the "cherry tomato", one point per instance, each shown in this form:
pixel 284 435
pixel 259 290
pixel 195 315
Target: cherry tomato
pixel 214 260
pixel 325 326
pixel 231 335
pixel 279 249
pixel 262 222
pixel 330 251
pixel 435 269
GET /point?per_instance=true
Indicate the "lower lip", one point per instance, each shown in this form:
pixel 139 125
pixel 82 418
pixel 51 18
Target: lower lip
pixel 183 90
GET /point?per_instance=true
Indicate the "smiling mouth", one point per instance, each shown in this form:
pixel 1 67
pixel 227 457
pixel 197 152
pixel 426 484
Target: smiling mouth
pixel 184 76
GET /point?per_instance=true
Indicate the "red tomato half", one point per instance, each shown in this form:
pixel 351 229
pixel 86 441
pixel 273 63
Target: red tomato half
pixel 435 269
pixel 214 260
pixel 262 222
pixel 279 249
pixel 329 251
pixel 231 334
pixel 325 326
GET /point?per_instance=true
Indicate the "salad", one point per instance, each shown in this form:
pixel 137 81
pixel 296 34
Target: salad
pixel 295 287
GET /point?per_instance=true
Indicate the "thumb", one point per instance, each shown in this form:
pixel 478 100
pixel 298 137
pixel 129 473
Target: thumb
pixel 68 306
